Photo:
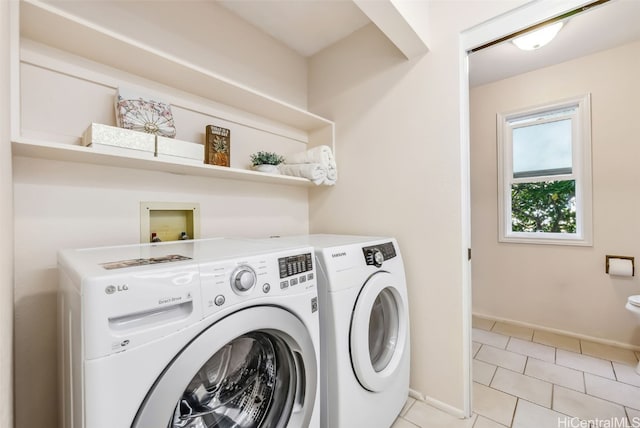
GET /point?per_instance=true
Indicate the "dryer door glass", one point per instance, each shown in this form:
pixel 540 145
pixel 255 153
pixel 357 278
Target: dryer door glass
pixel 379 333
pixel 248 383
pixel 383 330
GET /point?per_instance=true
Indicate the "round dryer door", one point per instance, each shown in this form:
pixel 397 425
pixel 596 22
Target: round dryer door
pixel 255 368
pixel 379 329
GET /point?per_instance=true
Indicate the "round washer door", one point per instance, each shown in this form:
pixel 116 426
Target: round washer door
pixel 379 329
pixel 255 368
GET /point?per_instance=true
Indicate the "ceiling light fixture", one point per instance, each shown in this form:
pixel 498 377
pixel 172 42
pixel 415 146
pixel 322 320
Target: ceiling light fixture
pixel 538 38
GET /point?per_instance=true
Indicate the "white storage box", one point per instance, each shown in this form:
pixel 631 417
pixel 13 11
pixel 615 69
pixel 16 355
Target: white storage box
pixel 179 151
pixel 111 139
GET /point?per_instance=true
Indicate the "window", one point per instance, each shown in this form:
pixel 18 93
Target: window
pixel 544 179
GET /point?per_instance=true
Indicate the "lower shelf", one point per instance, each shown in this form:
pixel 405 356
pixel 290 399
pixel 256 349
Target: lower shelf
pixel 81 154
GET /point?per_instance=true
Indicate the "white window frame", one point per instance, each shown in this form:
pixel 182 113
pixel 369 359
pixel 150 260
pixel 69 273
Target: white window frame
pixel 581 173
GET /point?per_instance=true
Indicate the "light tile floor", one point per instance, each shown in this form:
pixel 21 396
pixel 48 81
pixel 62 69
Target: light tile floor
pixel 525 378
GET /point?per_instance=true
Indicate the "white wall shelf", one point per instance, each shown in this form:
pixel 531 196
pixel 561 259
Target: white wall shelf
pixel 46 24
pixel 73 153
pixel 76 37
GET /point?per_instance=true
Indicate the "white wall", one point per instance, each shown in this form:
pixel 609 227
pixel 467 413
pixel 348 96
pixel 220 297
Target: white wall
pixel 6 219
pixel 70 205
pixel 399 152
pixel 562 287
pixel 209 36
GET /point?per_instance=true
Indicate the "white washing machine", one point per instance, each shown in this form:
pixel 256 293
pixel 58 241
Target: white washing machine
pixel 192 334
pixel 364 325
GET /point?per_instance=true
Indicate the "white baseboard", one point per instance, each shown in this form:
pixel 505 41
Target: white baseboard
pixel 561 332
pixel 454 411
pixel 415 394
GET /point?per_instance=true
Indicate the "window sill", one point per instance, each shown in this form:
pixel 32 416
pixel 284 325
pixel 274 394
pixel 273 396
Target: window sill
pixel 545 239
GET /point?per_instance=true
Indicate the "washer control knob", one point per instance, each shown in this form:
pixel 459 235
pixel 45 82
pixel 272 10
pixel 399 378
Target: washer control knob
pixel 219 300
pixel 243 278
pixel 375 257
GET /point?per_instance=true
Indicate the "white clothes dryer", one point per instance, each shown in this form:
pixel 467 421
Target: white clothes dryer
pixel 364 325
pixel 191 334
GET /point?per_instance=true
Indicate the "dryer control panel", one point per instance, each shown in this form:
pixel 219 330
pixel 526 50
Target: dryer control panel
pixel 375 255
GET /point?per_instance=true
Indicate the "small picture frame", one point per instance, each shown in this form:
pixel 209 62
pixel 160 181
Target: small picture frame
pixel 217 146
pixel 142 113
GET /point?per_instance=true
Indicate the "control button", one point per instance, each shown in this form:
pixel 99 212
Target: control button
pixel 374 257
pixel 266 287
pixel 310 276
pixel 303 278
pixel 219 300
pixel 294 281
pixel 314 304
pixel 243 278
pixel 284 284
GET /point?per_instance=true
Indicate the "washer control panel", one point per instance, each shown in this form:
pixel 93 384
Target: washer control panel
pixel 226 283
pixel 293 265
pixel 375 255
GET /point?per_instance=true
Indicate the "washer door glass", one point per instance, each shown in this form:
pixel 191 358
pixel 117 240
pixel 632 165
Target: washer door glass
pixel 257 367
pixel 246 384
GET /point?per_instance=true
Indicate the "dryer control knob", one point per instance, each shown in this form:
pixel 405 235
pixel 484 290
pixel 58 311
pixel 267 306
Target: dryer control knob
pixel 243 278
pixel 375 257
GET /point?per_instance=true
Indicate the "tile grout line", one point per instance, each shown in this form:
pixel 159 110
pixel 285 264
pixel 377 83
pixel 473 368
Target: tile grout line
pixel 493 376
pixel 615 373
pixel 515 409
pixel 409 422
pixel 476 353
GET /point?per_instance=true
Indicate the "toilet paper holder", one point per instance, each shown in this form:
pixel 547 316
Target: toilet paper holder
pixel 633 264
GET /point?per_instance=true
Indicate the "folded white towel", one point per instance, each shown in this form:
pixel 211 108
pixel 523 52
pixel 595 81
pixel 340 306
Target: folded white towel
pixel 320 154
pixel 332 173
pixel 312 171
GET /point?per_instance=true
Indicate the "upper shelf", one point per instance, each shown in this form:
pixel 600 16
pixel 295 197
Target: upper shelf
pixel 49 25
pixel 71 153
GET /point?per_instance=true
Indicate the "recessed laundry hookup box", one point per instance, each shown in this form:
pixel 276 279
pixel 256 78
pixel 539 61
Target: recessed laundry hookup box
pixel 169 221
pixel 179 151
pixel 119 141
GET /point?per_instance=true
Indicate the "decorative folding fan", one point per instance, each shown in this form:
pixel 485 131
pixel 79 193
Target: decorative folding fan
pixel 141 113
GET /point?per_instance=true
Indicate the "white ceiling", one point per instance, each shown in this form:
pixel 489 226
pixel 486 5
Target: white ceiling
pixel 308 26
pixel 612 24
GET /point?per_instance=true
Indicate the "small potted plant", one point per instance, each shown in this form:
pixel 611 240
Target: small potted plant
pixel 266 161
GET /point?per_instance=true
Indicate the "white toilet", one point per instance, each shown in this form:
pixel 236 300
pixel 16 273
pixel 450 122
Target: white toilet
pixel 633 305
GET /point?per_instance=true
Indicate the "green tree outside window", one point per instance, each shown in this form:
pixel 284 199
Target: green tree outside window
pixel 546 206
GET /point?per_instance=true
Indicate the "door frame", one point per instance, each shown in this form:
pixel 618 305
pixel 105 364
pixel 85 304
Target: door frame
pixel 494 29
